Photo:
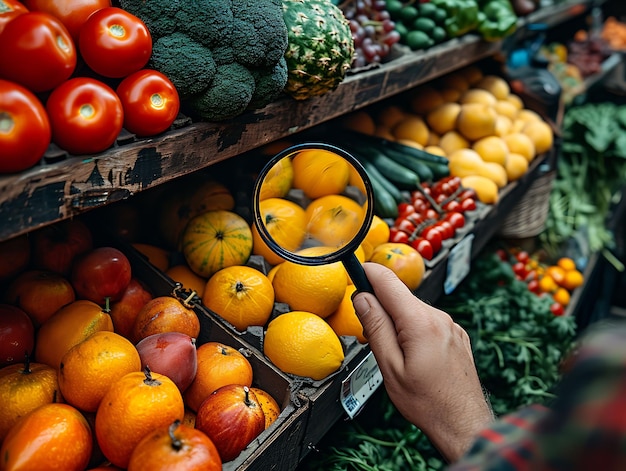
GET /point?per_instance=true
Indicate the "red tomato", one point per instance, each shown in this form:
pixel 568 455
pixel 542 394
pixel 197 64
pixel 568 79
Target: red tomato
pixel 101 273
pixel 398 236
pixel 447 230
pixel 468 204
pixel 72 13
pixel 557 309
pixel 456 219
pixel 432 235
pixel 405 208
pixel 405 225
pixel 150 102
pixel 9 9
pixel 424 247
pixel 37 52
pixel 86 116
pixel 115 43
pixel 519 268
pixel 522 256
pixel 452 205
pixel 24 128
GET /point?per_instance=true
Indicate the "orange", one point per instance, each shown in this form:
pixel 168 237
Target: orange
pixel 377 234
pixel 285 222
pixel 319 172
pixel 572 280
pixel 241 295
pixel 547 284
pixel 303 344
pixel 89 368
pixel 403 260
pixel 269 406
pixel 476 120
pixel 318 289
pixel 344 320
pixel 334 220
pixel 187 278
pixel 53 436
pixel 135 405
pixel 360 121
pixel 556 273
pixel 177 446
pixel 157 256
pixel 566 263
pixel 412 127
pixel 23 388
pixel 218 365
pixel 278 180
pixel 520 143
pixel 69 326
pixel 272 273
pixel 541 134
pixel 561 296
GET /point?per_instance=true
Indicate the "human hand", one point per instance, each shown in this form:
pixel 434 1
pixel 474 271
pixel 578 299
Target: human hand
pixel 426 362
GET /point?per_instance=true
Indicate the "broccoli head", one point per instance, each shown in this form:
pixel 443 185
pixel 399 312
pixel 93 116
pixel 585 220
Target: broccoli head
pixel 269 84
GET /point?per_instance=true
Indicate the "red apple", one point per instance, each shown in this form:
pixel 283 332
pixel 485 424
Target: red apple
pixel 40 293
pixel 172 354
pixel 56 247
pixel 231 417
pixel 14 256
pixel 124 312
pixel 17 335
pixel 101 275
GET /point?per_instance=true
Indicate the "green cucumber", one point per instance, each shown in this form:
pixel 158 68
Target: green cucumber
pixel 410 162
pixel 374 174
pixel 385 205
pixel 399 175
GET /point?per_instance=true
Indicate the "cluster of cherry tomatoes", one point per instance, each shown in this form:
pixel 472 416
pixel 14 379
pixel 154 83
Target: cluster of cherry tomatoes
pixel 73 73
pixel 434 214
pixel 557 280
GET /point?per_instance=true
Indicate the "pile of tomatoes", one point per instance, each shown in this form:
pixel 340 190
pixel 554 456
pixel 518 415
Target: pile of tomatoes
pixel 72 73
pixel 434 214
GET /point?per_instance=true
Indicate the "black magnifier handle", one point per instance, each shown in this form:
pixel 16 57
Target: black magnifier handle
pixel 357 274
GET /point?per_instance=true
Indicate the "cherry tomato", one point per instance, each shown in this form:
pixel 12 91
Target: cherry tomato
pixel 446 229
pixel 432 235
pixel 86 115
pixel 520 270
pixel 150 102
pixel 522 256
pixel 72 13
pixel 9 9
pixel 456 219
pixel 502 255
pixel 405 208
pixel 396 235
pixel 533 286
pixel 37 52
pixel 468 204
pixel 431 214
pixel 420 205
pixel 452 205
pixel 424 247
pixel 24 128
pixel 115 43
pixel 557 309
pixel 467 193
pixel 405 225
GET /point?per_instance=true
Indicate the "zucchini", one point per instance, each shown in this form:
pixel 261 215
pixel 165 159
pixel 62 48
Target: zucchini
pixel 374 174
pixel 417 153
pixel 410 162
pixel 385 205
pixel 399 175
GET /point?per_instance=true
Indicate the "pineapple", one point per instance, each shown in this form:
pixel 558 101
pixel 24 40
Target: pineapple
pixel 320 48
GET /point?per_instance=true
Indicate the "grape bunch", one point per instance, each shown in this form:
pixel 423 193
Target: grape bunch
pixel 372 29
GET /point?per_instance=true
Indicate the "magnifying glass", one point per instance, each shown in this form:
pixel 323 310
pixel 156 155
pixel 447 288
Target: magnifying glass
pixel 326 207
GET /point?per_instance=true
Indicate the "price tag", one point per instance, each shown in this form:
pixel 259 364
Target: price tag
pixel 459 260
pixel 357 388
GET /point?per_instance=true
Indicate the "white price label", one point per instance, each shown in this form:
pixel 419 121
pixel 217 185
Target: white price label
pixel 357 388
pixel 459 260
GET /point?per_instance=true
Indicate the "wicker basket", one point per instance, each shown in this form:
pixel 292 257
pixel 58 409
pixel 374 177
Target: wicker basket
pixel 528 217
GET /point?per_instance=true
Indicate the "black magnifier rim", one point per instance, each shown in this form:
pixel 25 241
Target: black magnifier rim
pixel 340 254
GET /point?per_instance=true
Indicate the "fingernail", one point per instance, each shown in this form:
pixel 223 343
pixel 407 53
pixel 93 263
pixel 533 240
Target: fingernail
pixel 361 305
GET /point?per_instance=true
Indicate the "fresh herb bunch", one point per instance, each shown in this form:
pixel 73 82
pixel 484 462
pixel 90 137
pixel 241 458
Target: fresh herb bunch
pixel 518 346
pixel 590 169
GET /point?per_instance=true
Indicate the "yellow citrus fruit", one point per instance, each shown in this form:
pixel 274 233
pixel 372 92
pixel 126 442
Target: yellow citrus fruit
pixel 69 326
pixel 403 260
pixel 451 95
pixel 344 320
pixel 53 436
pixel 506 108
pixel 285 222
pixel 435 150
pixel 547 284
pixel 384 132
pixel 494 172
pixel 378 233
pixel 272 272
pixel 541 134
pixel 433 139
pixel 455 80
pixel 478 96
pixel 157 256
pixel 90 367
pixel 23 388
pixel 566 263
pixel 411 127
pixel 424 99
pixel 334 220
pixel 515 100
pixel 527 116
pixel 503 125
pixel 303 344
pixel 561 296
pixel 520 143
pixel 410 143
pixel 278 180
pixel 472 73
pixel 491 149
pixel 516 165
pixel 134 405
pixel 241 295
pixel 497 86
pixel 485 188
pixel 360 121
pixel 476 120
pixel 390 115
pixel 452 141
pixel 318 289
pixel 318 172
pixel 269 406
pixel 572 279
pixel 187 278
pixel 443 118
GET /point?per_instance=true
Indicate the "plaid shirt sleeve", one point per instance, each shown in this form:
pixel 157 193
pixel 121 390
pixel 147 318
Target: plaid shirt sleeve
pixel 585 428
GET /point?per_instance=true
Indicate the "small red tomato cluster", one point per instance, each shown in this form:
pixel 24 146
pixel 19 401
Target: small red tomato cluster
pixel 435 213
pixel 72 73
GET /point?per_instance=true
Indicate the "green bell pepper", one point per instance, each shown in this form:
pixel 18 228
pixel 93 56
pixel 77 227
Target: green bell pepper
pixel 496 19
